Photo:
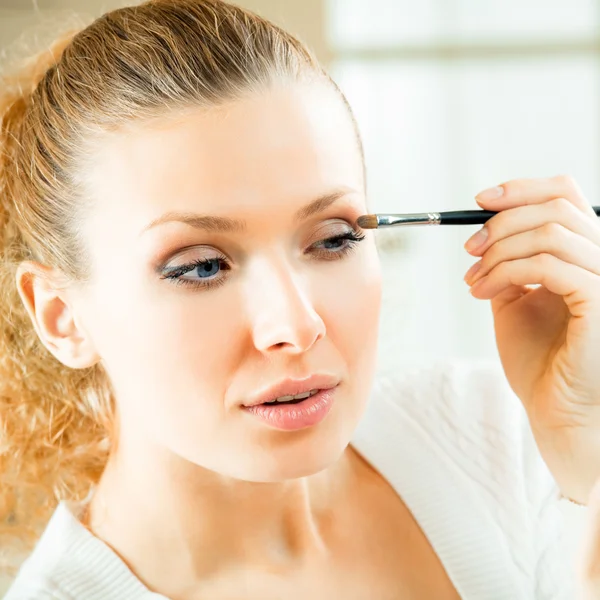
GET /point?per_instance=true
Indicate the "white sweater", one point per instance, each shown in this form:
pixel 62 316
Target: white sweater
pixel 453 440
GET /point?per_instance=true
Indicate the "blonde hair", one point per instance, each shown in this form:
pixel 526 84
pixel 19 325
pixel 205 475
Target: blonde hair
pixel 130 64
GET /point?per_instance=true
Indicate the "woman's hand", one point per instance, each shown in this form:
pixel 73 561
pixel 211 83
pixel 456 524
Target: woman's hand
pixel 547 234
pixel 589 559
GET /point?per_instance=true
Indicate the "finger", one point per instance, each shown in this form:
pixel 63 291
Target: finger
pixel 520 192
pixel 525 218
pixel 577 286
pixel 551 239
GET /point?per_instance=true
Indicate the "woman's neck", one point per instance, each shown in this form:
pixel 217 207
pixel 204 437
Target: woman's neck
pixel 178 526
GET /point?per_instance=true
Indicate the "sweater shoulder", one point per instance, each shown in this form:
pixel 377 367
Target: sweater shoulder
pixel 469 412
pixel 34 589
pixel 460 389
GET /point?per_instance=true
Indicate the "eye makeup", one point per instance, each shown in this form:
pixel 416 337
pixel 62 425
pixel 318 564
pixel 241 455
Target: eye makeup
pixel 211 271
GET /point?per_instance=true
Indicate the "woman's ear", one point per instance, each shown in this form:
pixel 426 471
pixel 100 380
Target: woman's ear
pixel 45 295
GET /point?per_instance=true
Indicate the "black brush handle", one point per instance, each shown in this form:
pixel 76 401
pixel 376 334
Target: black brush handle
pixel 475 217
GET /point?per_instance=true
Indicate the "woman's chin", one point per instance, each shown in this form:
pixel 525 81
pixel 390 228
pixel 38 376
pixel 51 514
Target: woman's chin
pixel 294 465
pixel 298 454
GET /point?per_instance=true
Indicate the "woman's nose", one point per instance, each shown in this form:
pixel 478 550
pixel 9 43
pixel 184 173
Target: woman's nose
pixel 283 315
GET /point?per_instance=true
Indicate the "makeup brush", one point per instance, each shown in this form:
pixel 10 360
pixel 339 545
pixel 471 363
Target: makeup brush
pixel 453 217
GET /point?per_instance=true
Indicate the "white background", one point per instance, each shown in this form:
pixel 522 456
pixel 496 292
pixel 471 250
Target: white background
pixel 454 96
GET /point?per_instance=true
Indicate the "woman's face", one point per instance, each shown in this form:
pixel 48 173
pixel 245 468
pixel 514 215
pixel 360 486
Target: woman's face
pixel 194 320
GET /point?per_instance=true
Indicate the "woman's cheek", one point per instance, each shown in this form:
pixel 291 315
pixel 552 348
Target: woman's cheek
pixel 351 303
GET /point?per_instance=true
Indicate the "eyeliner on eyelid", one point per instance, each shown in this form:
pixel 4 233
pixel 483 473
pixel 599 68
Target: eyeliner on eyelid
pixel 205 265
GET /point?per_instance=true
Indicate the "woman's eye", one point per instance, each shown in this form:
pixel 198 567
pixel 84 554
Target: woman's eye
pixel 337 246
pixel 209 272
pixel 206 272
pixel 208 268
pixel 334 243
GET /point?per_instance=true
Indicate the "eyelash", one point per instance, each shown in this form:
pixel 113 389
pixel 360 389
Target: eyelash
pixel 175 274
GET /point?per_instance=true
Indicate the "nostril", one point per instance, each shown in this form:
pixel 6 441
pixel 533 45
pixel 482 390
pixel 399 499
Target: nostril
pixel 281 345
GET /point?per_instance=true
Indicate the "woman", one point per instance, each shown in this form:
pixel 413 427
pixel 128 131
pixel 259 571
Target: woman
pixel 180 186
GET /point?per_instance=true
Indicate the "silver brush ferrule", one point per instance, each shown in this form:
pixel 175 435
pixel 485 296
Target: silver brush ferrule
pixel 414 219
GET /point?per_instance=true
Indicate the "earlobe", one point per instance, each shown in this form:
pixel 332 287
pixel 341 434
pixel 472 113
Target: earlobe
pixel 46 299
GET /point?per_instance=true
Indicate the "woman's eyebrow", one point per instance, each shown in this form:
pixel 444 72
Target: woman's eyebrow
pixel 215 223
pixel 321 203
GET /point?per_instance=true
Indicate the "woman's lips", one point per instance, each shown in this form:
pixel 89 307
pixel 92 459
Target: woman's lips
pixel 291 417
pixel 293 387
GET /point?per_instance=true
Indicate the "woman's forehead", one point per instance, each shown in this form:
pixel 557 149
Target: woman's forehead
pixel 286 143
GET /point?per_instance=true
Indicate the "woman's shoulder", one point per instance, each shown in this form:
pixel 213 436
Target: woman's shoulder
pixel 464 416
pixel 69 562
pixel 457 399
pixel 477 387
pixel 38 589
pixel 467 411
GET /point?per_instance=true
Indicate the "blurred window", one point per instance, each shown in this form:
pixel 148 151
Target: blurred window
pixel 453 96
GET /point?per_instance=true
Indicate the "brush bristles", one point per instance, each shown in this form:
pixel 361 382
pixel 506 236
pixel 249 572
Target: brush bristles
pixel 367 222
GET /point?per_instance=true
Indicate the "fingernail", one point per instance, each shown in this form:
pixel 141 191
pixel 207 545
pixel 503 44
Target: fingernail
pixel 490 194
pixel 477 240
pixel 471 272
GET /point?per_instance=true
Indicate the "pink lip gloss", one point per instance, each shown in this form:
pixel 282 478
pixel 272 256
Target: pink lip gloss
pixel 290 417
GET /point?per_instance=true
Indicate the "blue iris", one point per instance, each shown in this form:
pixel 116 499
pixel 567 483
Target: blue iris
pixel 333 243
pixel 208 268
